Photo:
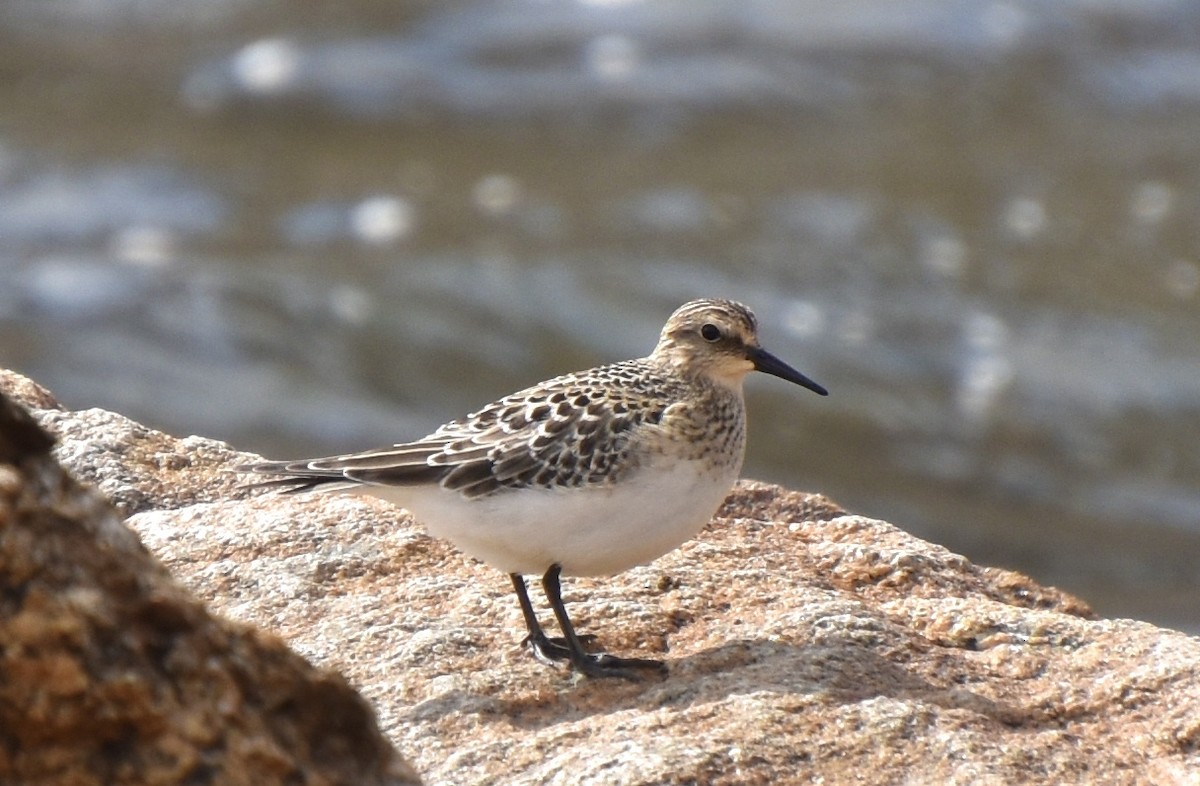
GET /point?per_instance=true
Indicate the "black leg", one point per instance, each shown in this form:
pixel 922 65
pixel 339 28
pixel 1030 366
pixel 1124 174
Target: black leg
pixel 592 665
pixel 544 648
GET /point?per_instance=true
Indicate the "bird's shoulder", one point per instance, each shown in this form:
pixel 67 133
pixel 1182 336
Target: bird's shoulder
pixel 571 431
pixel 619 394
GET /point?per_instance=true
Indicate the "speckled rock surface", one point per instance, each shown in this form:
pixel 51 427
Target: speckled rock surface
pixel 136 468
pixel 111 672
pixel 805 645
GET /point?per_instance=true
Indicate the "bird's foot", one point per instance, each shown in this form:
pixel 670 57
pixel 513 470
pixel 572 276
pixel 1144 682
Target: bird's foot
pixel 604 665
pixel 554 649
pixel 551 649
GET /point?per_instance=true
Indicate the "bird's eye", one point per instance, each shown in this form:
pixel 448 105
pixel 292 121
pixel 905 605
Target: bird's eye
pixel 710 332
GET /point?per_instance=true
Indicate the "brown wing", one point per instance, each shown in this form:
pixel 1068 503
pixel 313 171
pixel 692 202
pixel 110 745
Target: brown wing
pixel 572 431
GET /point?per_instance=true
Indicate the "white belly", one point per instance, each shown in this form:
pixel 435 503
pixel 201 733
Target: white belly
pixel 591 531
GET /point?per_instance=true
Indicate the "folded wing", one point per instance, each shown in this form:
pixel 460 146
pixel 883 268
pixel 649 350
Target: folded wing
pixel 563 434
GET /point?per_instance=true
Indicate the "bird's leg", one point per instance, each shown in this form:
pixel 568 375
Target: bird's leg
pixel 544 648
pixel 589 664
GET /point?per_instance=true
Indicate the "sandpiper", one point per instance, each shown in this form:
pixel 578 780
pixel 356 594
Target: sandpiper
pixel 585 474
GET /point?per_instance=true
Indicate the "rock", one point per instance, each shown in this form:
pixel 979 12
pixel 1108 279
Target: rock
pixel 136 468
pixel 805 644
pixel 113 673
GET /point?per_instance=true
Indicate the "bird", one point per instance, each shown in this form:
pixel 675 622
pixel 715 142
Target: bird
pixel 586 474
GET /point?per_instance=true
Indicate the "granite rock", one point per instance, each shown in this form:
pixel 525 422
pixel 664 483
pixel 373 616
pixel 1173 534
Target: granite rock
pixel 111 672
pixel 805 644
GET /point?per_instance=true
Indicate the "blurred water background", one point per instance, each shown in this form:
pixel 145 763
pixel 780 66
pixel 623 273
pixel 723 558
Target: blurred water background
pixel 309 227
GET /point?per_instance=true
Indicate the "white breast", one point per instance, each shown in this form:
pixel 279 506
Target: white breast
pixel 589 531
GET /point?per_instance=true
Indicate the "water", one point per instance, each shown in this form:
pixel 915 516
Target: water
pixel 305 230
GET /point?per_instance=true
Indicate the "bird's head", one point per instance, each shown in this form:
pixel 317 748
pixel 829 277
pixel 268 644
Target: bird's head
pixel 718 339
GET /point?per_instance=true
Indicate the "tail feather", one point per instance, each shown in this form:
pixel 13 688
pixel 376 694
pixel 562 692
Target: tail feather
pixel 334 474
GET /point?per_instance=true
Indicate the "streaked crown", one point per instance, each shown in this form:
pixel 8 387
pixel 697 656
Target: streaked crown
pixel 710 338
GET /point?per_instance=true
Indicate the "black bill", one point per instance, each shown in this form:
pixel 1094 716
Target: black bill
pixel 767 363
